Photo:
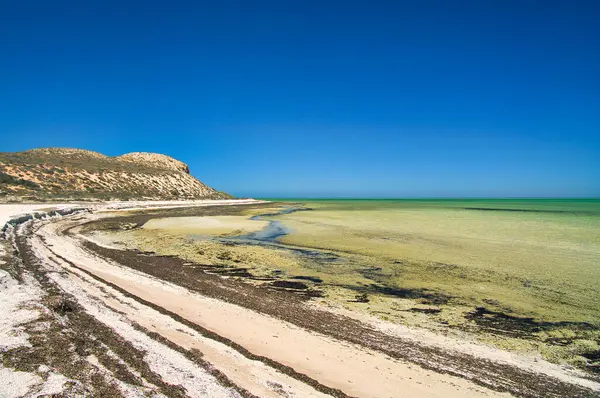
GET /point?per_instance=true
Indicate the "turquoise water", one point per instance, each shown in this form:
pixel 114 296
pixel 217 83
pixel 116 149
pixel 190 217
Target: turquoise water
pixel 582 206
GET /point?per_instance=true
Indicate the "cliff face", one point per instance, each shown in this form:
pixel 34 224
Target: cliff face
pixel 64 173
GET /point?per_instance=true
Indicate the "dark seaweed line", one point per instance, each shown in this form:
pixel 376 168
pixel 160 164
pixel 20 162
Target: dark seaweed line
pixel 516 381
pixel 583 212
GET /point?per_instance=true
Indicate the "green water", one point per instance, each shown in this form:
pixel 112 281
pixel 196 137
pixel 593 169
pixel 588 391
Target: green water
pixel 584 206
pixel 537 257
pixel 532 264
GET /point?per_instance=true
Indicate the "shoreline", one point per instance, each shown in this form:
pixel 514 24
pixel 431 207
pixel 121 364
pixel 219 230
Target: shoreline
pixel 111 269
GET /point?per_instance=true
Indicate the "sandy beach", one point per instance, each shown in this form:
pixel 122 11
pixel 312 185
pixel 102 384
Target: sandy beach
pixel 150 329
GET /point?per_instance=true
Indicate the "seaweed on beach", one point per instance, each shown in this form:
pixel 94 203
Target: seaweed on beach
pixel 501 323
pixel 426 296
pixel 308 278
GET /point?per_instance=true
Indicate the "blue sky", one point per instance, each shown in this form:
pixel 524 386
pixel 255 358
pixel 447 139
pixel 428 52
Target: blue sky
pixel 317 98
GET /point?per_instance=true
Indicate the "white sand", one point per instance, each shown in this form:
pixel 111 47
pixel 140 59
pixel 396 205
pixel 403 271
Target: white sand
pixel 171 365
pixel 252 375
pixel 214 225
pixel 20 303
pixel 170 204
pixel 16 384
pixel 8 211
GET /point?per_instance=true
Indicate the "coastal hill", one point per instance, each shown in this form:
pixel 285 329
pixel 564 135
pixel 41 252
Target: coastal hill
pixel 77 174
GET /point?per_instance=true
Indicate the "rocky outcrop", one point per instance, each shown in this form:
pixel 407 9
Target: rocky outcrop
pixel 76 174
pixel 154 160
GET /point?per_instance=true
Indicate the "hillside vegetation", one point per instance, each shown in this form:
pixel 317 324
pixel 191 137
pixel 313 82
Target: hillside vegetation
pixel 64 173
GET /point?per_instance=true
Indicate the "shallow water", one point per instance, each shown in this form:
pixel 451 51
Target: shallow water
pixel 536 258
pixel 569 205
pixel 512 269
pixel 270 233
pixel 273 230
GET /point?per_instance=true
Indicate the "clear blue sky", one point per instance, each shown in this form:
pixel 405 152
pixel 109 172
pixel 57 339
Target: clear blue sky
pixel 317 98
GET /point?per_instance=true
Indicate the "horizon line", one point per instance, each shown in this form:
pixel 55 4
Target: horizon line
pixel 436 197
